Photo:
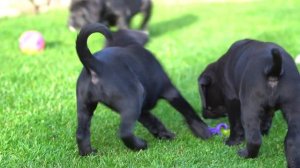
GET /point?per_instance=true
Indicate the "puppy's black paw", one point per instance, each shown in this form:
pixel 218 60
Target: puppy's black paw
pixel 139 144
pixel 199 129
pixel 243 153
pixel 246 154
pixel 88 152
pixel 135 143
pixel 165 135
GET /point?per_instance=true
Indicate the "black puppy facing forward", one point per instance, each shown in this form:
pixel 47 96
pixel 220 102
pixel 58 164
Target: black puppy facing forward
pixel 249 82
pixel 127 78
pixel 109 12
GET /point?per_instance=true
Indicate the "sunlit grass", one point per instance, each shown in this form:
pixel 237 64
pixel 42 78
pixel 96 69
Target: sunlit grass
pixel 37 105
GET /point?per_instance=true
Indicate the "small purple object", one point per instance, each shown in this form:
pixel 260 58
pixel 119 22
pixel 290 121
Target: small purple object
pixel 217 130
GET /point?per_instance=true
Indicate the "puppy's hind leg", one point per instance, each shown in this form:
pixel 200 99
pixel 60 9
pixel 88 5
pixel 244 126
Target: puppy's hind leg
pixel 155 126
pixel 236 129
pixel 84 114
pixel 291 112
pixel 251 122
pixel 198 127
pixel 266 121
pixel 130 112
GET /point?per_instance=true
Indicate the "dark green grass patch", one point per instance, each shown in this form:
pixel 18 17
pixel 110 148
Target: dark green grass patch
pixel 38 109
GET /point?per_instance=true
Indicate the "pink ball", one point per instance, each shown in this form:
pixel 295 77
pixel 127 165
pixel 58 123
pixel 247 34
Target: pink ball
pixel 31 42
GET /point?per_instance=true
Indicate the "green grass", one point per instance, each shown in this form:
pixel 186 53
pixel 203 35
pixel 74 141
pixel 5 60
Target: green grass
pixel 37 105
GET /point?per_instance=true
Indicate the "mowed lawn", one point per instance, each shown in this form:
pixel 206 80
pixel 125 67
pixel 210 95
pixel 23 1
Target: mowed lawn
pixel 38 103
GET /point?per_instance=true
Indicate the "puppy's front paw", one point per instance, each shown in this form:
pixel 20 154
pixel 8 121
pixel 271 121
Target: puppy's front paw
pixel 249 152
pixel 199 129
pixel 165 135
pixel 139 144
pixel 87 152
pixel 243 153
pixel 135 143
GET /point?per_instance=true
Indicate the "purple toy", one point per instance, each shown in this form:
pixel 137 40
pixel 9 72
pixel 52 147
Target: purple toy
pixel 218 129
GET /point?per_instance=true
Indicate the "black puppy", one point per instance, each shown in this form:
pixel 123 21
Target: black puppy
pixel 109 12
pixel 127 78
pixel 249 82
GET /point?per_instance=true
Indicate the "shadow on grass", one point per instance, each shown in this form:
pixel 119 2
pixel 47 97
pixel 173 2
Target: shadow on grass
pixel 172 24
pixel 274 36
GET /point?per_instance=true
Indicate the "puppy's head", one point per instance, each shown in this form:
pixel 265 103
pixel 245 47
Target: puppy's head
pixel 126 37
pixel 211 94
pixel 83 12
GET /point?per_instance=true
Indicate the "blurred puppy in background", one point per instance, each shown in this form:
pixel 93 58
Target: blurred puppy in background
pixel 108 12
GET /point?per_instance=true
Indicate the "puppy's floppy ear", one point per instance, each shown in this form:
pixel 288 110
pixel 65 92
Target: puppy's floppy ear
pixel 205 80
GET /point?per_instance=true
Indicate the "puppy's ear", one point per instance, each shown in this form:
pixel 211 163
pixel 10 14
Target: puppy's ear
pixel 205 80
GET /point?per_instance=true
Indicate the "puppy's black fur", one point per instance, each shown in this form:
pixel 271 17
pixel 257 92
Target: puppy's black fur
pixel 127 78
pixel 109 12
pixel 249 82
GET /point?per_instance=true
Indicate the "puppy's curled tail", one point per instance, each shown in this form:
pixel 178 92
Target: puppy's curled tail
pixel 83 52
pixel 275 69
